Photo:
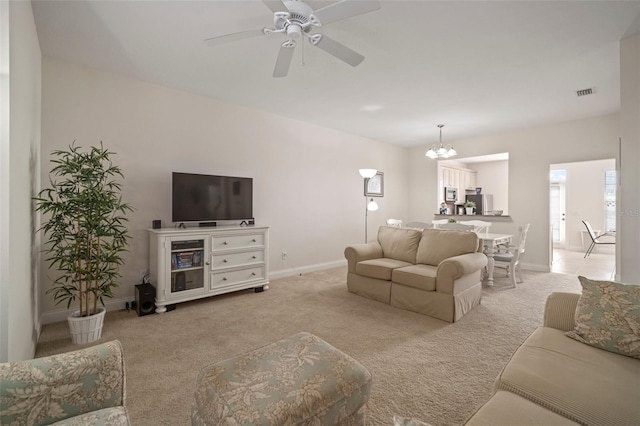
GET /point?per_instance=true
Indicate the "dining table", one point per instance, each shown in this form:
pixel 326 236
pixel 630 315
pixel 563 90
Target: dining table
pixel 490 243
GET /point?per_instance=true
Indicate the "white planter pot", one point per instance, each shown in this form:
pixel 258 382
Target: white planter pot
pixel 469 210
pixel 86 329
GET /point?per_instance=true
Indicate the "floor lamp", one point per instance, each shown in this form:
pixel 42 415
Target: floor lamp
pixel 368 205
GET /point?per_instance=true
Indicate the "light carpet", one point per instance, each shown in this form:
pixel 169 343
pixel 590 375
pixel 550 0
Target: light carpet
pixel 422 367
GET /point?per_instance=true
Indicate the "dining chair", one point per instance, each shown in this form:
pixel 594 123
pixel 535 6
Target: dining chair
pixel 595 239
pixel 438 222
pixel 479 225
pixel 394 222
pixel 510 259
pixel 456 226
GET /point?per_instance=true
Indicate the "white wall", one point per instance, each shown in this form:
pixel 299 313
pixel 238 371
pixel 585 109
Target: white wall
pixel 628 230
pixel 306 181
pixel 584 197
pixel 20 177
pixel 493 178
pixel 531 152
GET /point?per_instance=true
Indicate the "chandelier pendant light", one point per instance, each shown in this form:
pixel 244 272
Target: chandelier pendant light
pixel 441 151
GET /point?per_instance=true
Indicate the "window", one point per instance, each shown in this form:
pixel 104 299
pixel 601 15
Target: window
pixel 610 200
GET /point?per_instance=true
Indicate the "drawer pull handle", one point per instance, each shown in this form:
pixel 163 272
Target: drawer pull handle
pixel 253 274
pixel 224 243
pixel 224 260
pixel 253 257
pixel 254 240
pixel 224 278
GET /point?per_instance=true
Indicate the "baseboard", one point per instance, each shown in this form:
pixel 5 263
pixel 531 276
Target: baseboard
pixel 533 267
pixel 283 273
pixel 62 314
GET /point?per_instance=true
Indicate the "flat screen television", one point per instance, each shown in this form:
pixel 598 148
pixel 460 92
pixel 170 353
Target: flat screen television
pixel 201 198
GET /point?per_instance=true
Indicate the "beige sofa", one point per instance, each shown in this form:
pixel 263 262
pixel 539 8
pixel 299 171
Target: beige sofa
pixel 553 379
pixel 432 271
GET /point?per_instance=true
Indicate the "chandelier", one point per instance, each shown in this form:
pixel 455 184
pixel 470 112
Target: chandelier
pixel 441 151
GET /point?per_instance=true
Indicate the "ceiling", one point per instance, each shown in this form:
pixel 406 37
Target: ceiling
pixel 478 67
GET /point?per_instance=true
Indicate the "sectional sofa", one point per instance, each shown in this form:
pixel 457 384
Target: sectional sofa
pixel 432 271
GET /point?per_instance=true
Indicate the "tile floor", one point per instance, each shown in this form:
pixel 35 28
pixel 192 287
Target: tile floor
pixel 598 266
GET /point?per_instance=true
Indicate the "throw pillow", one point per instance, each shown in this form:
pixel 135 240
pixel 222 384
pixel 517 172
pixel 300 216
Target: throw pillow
pixel 608 317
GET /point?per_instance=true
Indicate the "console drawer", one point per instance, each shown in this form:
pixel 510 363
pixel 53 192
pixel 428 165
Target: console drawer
pixel 220 261
pixel 229 278
pixel 229 242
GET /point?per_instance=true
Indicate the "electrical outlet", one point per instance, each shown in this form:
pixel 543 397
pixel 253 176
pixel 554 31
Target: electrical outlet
pixel 285 256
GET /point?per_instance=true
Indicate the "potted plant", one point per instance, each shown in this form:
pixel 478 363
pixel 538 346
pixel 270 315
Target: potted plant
pixel 84 220
pixel 469 206
pixel 452 220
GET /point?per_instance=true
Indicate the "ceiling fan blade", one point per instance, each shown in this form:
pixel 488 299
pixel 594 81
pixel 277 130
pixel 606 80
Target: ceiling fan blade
pixel 345 9
pixel 275 5
pixel 229 38
pixel 338 50
pixel 284 59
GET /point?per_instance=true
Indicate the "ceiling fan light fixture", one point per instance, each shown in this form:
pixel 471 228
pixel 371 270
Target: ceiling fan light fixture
pixel 296 19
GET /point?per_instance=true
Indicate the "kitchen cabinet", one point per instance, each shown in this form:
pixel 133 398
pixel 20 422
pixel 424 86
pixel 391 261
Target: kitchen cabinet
pixel 461 178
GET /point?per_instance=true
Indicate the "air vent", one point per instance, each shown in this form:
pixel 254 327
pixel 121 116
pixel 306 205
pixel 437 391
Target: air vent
pixel 585 92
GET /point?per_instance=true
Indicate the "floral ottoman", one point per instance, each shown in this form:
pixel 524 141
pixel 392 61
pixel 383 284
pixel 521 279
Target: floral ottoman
pixel 300 380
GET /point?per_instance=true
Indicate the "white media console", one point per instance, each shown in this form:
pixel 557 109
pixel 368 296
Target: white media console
pixel 193 263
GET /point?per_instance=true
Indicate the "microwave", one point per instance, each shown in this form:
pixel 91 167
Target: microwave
pixel 450 194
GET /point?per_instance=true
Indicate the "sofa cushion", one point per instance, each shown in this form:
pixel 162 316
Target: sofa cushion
pixel 506 408
pixel 399 243
pixel 438 244
pixel 379 268
pixel 588 385
pixel 608 317
pixel 422 277
pixel 62 386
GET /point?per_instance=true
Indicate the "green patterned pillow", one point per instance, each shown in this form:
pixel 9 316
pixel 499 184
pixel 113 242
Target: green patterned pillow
pixel 608 317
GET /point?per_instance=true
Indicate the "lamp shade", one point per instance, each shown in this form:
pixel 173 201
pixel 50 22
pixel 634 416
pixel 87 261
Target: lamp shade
pixel 431 153
pixel 368 173
pixel 372 206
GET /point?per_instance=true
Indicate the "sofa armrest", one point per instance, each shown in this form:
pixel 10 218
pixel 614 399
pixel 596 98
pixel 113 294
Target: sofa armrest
pixel 50 389
pixel 455 267
pixel 359 252
pixel 560 310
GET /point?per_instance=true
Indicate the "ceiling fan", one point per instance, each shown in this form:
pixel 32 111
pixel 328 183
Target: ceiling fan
pixel 295 19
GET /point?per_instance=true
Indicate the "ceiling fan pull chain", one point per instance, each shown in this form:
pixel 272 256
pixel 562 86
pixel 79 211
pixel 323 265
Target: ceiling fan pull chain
pixel 302 61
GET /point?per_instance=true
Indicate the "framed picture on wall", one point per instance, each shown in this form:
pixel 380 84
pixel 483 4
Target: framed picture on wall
pixel 374 187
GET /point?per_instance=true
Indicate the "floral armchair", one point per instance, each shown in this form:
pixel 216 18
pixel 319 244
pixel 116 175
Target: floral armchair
pixel 83 387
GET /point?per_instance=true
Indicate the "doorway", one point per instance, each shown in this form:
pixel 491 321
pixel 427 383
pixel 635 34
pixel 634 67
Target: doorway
pixel 581 191
pixel 557 206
